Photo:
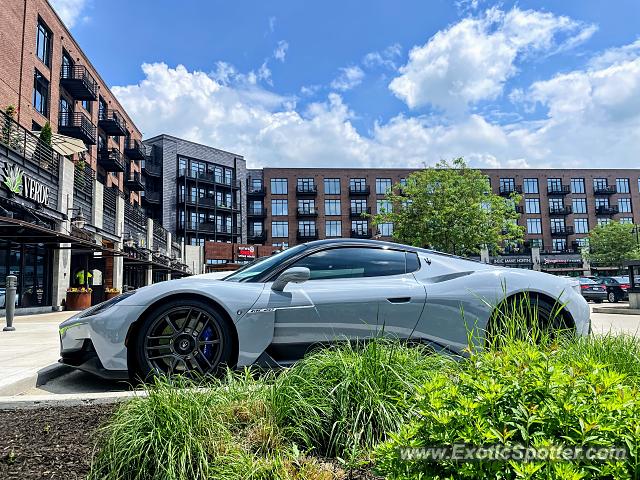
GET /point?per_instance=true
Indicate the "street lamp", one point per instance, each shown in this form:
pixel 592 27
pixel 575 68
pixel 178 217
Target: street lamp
pixel 79 221
pixel 129 241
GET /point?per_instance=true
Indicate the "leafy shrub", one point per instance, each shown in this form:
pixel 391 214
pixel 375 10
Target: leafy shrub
pixel 342 401
pixel 524 395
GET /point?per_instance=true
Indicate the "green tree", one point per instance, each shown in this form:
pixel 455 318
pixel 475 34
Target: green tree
pixel 612 244
pixel 451 208
pixel 45 133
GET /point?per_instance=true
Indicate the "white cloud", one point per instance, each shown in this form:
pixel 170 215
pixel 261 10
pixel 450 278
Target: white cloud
pixel 280 51
pixel 349 77
pixel 616 55
pixel 385 58
pixel 471 60
pixel 70 11
pixel 272 24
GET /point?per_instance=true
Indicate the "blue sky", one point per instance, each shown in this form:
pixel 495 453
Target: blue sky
pixel 402 83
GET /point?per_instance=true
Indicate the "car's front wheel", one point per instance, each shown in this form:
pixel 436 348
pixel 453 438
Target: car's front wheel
pixel 612 297
pixel 183 337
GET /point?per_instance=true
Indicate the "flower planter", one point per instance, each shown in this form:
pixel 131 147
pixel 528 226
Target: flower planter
pixel 78 300
pixel 110 295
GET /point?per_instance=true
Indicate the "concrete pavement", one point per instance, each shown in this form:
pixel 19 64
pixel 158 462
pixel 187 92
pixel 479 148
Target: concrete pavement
pixel 29 355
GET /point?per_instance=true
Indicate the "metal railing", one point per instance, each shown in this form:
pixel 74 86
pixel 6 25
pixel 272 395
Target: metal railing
pixel 79 73
pixel 78 125
pixel 28 145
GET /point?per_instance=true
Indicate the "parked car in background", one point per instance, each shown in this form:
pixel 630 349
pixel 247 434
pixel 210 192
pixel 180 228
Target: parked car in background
pixel 592 290
pixel 617 287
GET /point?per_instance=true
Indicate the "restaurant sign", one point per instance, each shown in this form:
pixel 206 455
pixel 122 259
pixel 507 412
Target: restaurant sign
pixel 246 251
pixel 19 183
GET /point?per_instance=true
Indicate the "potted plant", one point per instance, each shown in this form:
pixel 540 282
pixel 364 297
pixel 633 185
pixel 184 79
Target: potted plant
pixel 78 298
pixel 110 293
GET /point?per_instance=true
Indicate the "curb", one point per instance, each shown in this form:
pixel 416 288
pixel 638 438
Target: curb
pixel 617 310
pixel 36 379
pixel 66 400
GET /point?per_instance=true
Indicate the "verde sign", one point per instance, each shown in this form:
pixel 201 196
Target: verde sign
pixel 19 183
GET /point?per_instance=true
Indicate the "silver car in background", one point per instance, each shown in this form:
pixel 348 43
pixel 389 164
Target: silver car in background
pixel 272 311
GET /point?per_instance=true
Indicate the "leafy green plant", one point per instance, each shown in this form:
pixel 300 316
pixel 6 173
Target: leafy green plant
pixel 522 394
pixel 46 134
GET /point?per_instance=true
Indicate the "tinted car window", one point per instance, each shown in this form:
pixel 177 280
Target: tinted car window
pixel 257 268
pixel 413 263
pixel 354 262
pixel 587 281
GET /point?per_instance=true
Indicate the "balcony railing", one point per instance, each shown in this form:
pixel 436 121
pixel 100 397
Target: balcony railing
pixel 111 160
pixel 561 231
pixel 359 211
pixel 206 202
pixel 256 191
pixel 565 210
pixel 558 190
pixel 151 197
pixel 507 190
pixel 307 212
pixel 208 177
pixel 77 125
pixel 257 236
pixel 27 145
pixel 359 190
pixel 306 189
pixel 257 212
pixel 78 82
pixel 361 233
pixel 307 234
pixel 134 149
pixel 151 168
pixel 112 123
pixel 607 210
pixel 209 227
pixel 134 182
pixel 605 190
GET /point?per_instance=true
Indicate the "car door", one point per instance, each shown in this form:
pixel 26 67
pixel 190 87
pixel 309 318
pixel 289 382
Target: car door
pixel 353 292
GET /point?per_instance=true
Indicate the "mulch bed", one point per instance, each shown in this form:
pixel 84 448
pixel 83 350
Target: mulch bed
pixel 49 442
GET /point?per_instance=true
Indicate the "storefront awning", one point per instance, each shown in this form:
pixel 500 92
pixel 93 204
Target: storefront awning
pixel 65 145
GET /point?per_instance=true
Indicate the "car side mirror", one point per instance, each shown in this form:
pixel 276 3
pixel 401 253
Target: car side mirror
pixel 291 275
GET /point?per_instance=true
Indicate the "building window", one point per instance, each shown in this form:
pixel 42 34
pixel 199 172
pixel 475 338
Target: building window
pixel 306 185
pixel 333 228
pixel 281 245
pixel 530 185
pixel 332 186
pixel 383 185
pixel 279 186
pixel 534 226
pixel 216 261
pixel 554 184
pixel 622 185
pixel 579 205
pixel 582 242
pixel 532 205
pixel 255 228
pixel 624 205
pixel 86 104
pixel 66 111
pixel 557 225
pixel 307 205
pixel 103 108
pixel 559 244
pixel 599 183
pixel 536 243
pixel 581 225
pixel 43 43
pixel 279 207
pixel 332 207
pixel 556 204
pixel 384 206
pixel 602 203
pixel 358 206
pixel 307 227
pixel 256 184
pixel 603 221
pixel 626 219
pixel 577 185
pixel 357 184
pixel 385 229
pixel 280 229
pixel 41 93
pixel 507 185
pixel 360 227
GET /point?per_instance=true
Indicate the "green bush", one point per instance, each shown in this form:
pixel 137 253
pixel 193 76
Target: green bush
pixel 525 395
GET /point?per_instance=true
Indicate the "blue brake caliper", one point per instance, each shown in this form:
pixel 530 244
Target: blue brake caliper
pixel 205 336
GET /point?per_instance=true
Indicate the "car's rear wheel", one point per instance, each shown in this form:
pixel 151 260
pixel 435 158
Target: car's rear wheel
pixel 183 337
pixel 598 301
pixel 612 297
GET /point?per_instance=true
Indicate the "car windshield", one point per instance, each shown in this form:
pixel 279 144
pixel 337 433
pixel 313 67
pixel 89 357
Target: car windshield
pixel 257 268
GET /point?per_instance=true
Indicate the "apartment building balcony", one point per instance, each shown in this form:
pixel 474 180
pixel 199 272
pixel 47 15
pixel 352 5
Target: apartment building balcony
pixel 257 212
pixel 507 191
pixel 359 212
pixel 111 160
pixel 134 182
pixel 77 125
pixel 112 123
pixel 356 190
pixel 257 236
pixel 561 231
pixel 134 150
pixel 361 233
pixel 519 209
pixel 307 212
pixel 606 190
pixel 78 82
pixel 306 190
pixel 565 210
pixel 559 190
pixel 150 197
pixel 307 235
pixel 607 210
pixel 256 191
pixel 151 168
pixel 208 178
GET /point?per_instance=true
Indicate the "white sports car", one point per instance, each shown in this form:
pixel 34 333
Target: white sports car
pixel 273 310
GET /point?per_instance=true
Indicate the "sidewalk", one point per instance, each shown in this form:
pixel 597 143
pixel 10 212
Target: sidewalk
pixel 29 355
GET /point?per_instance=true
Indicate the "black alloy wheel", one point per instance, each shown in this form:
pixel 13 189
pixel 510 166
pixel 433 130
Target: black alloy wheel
pixel 612 297
pixel 186 338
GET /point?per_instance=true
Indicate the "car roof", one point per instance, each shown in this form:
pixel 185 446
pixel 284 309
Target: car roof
pixel 378 243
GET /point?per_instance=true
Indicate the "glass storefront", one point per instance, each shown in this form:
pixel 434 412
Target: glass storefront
pixel 31 264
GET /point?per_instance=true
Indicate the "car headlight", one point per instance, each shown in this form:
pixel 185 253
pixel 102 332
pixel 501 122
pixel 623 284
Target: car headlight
pixel 101 307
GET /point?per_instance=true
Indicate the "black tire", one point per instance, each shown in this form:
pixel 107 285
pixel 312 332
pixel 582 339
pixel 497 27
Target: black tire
pixel 182 337
pixel 612 297
pixel 598 301
pixel 546 315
